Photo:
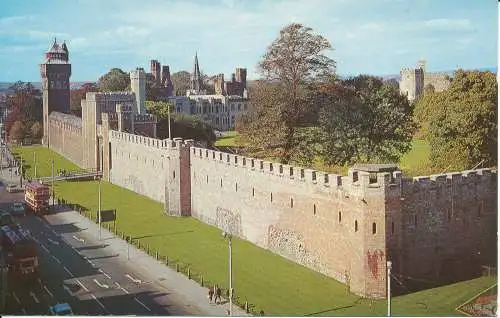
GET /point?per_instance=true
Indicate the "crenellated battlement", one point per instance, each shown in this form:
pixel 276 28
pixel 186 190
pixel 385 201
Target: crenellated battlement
pixel 292 173
pixel 123 108
pixel 114 96
pixel 145 118
pixel 137 139
pixel 451 179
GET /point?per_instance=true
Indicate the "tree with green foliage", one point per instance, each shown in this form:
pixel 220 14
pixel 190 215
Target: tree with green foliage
pixel 181 125
pixel 364 120
pixel 36 131
pixel 460 123
pixel 292 62
pixel 24 104
pixel 17 131
pixel 115 80
pixel 76 96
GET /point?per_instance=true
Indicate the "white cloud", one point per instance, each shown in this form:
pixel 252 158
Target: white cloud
pixel 448 24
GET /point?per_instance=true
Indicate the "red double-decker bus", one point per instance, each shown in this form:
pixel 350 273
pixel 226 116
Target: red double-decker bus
pixel 20 251
pixel 36 196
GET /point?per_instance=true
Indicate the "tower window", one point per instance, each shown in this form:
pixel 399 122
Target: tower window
pixel 392 227
pixel 291 202
pixel 236 186
pixel 253 192
pixel 355 225
pixel 340 216
pixel 207 178
pixel 374 228
pixel 271 197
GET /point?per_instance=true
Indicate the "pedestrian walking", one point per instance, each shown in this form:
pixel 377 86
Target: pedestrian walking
pixel 210 294
pixel 217 292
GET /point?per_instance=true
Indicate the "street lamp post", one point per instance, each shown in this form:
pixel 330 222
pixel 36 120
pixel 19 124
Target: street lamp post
pixel 21 172
pixel 229 237
pixel 389 266
pixel 53 191
pixel 34 160
pixel 99 208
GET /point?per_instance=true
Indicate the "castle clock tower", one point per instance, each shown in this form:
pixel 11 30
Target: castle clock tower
pixel 55 72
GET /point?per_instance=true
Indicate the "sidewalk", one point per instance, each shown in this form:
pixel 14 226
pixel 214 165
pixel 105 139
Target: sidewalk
pixel 187 291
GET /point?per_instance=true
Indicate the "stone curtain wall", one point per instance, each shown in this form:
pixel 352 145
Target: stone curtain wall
pixel 65 136
pixel 315 219
pixel 139 164
pixel 440 81
pixel 447 225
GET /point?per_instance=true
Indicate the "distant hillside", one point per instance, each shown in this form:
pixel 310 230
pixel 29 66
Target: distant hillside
pixel 4 86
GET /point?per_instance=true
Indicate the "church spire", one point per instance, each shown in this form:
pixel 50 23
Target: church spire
pixel 196 76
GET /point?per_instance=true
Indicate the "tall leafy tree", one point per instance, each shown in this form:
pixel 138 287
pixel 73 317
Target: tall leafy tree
pixel 292 61
pixel 114 81
pixel 78 94
pixel 460 123
pixel 24 104
pixel 364 120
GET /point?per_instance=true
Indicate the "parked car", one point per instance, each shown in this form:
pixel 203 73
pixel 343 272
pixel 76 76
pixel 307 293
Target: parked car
pixel 11 188
pixel 18 209
pixel 61 310
pixel 6 218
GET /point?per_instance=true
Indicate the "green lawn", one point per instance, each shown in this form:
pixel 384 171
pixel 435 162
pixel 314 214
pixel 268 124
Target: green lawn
pixel 277 286
pixel 230 140
pixel 416 162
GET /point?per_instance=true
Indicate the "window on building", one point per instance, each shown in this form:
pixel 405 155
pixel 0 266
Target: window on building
pixel 271 197
pixel 291 202
pixel 314 209
pixel 340 217
pixel 392 227
pixel 374 228
pixel 355 225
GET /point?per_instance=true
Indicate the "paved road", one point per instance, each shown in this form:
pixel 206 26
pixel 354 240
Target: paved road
pixel 99 277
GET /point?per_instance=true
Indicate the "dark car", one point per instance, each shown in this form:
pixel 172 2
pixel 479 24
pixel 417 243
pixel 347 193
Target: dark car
pixel 6 218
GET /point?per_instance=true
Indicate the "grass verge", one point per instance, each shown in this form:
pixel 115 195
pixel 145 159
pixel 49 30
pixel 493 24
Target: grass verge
pixel 275 285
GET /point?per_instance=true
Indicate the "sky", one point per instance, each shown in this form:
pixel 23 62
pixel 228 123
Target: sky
pixel 377 37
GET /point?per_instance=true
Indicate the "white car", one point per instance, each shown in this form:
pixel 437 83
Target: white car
pixel 11 188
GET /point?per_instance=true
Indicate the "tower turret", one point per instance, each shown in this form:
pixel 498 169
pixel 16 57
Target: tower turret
pixel 55 72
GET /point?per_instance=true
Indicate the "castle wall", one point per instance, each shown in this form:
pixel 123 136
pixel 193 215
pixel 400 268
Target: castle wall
pixel 440 81
pixel 447 225
pixel 139 164
pixel 65 135
pixel 303 215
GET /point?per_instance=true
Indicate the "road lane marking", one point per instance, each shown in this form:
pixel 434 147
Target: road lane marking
pixel 67 270
pixel 32 294
pixel 66 288
pixel 120 287
pixel 16 298
pixel 133 279
pixel 44 248
pixel 78 239
pixel 48 291
pixel 57 260
pixel 143 305
pixel 109 277
pixel 83 286
pixel 100 304
pixel 53 242
pixel 100 285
